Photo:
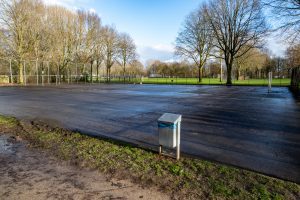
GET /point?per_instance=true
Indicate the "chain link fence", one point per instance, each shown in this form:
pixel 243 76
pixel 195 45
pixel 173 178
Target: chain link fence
pixel 35 72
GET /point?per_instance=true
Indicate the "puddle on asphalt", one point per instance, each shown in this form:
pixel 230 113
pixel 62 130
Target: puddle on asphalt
pixel 5 146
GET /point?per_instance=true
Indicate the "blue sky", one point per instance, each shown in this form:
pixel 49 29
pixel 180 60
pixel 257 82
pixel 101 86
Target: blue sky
pixel 153 24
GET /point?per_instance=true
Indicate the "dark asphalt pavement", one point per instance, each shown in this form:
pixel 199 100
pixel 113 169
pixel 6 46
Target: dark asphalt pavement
pixel 240 126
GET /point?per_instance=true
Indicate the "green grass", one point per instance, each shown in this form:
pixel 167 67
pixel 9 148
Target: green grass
pixel 187 179
pixel 215 81
pixel 194 81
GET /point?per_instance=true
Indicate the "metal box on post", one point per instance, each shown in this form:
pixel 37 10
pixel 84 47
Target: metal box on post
pixel 169 132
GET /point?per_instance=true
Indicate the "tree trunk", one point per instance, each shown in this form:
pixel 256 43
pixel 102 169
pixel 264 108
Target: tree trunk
pixel 124 72
pixel 21 73
pixel 91 78
pixel 221 72
pixel 63 71
pixel 97 71
pixel 238 73
pixel 229 69
pixel 107 73
pixel 200 73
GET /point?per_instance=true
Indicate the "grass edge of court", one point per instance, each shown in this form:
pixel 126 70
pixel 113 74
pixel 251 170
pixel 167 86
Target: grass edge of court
pixel 189 177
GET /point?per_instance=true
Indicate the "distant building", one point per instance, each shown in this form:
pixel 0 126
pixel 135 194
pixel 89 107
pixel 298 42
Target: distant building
pixel 155 76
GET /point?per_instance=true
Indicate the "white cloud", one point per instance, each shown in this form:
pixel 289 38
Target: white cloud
pixel 160 52
pixel 71 4
pixel 276 45
pixel 173 60
pixel 60 2
pixel 92 10
pixel 163 47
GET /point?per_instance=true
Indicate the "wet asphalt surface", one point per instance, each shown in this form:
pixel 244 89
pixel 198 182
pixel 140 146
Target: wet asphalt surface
pixel 240 126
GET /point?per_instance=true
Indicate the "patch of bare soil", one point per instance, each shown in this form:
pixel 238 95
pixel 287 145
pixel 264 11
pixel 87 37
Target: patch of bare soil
pixel 30 174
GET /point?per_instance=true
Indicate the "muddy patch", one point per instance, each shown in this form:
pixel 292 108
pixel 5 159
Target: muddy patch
pixel 31 174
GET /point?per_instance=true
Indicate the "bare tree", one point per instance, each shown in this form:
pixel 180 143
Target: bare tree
pixel 286 14
pixel 90 40
pixel 254 59
pixel 236 24
pixel 195 40
pixel 16 19
pixel 110 42
pixel 92 44
pixel 62 38
pixel 32 30
pixel 293 55
pixel 99 50
pixel 37 32
pixel 136 68
pixel 126 51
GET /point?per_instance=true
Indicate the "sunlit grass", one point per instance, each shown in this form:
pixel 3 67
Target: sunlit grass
pixel 189 178
pixel 215 81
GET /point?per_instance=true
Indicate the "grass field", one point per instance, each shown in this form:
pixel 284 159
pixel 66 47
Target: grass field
pixel 185 179
pixel 194 81
pixel 205 81
pixel 215 81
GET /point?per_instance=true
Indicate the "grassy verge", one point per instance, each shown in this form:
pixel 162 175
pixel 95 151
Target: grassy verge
pixel 187 179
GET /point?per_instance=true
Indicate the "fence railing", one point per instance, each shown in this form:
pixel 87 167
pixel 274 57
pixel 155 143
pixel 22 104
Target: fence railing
pixel 42 80
pixel 41 73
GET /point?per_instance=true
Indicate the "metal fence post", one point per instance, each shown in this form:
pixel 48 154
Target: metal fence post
pixel 43 78
pixel 48 73
pixel 58 75
pixel 37 72
pixel 56 81
pixel 99 77
pixel 77 72
pixel 270 82
pixel 84 73
pixel 24 73
pixel 71 76
pixel 11 76
pixel 68 73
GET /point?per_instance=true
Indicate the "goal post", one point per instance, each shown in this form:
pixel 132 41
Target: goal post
pixel 270 82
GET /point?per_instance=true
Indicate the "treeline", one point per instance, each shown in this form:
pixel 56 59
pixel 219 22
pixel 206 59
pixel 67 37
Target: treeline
pixel 233 31
pixel 31 30
pixel 227 32
pixel 255 65
pixel 171 69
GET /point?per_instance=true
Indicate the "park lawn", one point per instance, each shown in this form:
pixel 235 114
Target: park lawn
pixel 263 82
pixel 194 81
pixel 215 81
pixel 186 179
pixel 183 81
